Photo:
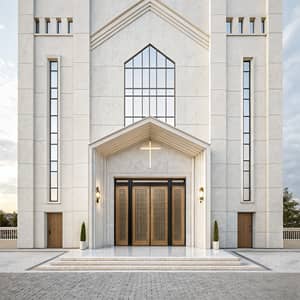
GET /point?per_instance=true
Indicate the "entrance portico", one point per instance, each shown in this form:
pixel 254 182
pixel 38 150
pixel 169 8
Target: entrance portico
pixel 123 155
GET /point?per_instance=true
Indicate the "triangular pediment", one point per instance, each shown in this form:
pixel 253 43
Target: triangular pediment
pixel 150 129
pixel 138 10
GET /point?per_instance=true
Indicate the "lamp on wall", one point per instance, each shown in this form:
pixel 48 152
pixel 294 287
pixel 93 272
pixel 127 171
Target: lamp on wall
pixel 98 195
pixel 201 194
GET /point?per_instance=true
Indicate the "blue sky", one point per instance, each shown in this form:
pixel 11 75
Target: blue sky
pixel 8 100
pixel 291 101
pixel 8 104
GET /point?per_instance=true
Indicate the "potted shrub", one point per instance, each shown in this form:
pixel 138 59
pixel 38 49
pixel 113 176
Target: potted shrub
pixel 216 243
pixel 83 244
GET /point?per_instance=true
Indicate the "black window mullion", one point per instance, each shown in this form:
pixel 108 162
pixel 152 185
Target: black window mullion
pixel 247 130
pixel 142 93
pixel 156 114
pixel 166 99
pixel 133 95
pixel 53 145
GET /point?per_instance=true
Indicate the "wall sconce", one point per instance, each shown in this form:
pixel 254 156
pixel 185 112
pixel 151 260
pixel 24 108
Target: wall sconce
pixel 201 194
pixel 98 195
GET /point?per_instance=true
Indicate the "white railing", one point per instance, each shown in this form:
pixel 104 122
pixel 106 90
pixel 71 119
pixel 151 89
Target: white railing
pixel 8 233
pixel 291 234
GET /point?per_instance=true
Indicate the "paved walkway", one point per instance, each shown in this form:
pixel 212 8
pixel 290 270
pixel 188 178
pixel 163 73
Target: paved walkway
pixel 269 285
pixel 277 261
pixel 240 286
pixel 20 261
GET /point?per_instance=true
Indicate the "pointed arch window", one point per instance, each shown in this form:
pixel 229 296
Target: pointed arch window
pixel 149 87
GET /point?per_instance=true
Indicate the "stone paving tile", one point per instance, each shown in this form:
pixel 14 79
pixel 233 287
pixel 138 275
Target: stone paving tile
pixel 206 285
pixel 19 261
pixel 278 261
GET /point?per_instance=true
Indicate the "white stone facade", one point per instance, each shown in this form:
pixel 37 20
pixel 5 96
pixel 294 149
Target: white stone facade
pixel 209 113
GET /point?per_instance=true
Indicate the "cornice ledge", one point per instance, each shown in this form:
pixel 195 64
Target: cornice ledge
pixel 141 8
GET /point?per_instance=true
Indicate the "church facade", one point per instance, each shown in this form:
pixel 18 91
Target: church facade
pixel 149 120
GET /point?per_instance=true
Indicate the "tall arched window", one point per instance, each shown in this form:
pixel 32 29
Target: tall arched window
pixel 149 87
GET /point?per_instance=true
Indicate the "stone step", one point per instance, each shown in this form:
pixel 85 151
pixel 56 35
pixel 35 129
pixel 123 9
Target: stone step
pixel 161 259
pixel 86 264
pixel 133 264
pixel 89 262
pixel 146 263
pixel 147 268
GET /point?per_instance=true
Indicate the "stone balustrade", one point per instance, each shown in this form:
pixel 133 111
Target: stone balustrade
pixel 8 233
pixel 291 237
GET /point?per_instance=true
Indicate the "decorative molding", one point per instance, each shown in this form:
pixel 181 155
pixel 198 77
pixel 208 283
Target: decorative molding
pixel 141 8
pixel 247 35
pixel 146 129
pixel 53 35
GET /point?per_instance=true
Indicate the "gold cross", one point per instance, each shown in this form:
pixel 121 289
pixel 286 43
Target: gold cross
pixel 150 149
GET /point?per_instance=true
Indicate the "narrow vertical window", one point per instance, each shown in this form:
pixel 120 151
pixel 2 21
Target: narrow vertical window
pixel 252 25
pixel 241 25
pixel 247 130
pixel 58 26
pixel 229 25
pixel 37 25
pixel 47 25
pixel 70 25
pixel 263 25
pixel 53 131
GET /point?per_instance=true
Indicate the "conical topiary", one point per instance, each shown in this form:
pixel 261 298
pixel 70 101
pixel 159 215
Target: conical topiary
pixel 82 233
pixel 216 232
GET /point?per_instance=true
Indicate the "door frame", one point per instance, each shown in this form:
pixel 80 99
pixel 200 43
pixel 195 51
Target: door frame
pixel 252 227
pixel 169 182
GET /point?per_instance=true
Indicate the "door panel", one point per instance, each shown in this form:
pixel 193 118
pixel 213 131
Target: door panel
pixel 122 216
pixel 178 218
pixel 140 216
pixel 54 230
pixel 159 216
pixel 245 229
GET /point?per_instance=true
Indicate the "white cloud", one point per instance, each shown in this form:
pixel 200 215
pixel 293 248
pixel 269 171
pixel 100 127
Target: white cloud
pixel 2 26
pixel 291 132
pixel 291 30
pixel 8 135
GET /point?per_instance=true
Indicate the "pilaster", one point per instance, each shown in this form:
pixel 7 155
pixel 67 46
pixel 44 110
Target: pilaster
pixel 218 110
pixel 81 99
pixel 26 126
pixel 273 118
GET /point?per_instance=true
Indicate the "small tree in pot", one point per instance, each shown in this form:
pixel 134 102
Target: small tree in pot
pixel 216 243
pixel 83 244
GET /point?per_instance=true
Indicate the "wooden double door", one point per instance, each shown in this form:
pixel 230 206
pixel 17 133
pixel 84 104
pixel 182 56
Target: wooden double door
pixel 150 215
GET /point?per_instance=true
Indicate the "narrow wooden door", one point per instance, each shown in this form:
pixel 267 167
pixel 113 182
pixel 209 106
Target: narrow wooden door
pixel 159 216
pixel 178 216
pixel 245 229
pixel 121 229
pixel 141 216
pixel 54 230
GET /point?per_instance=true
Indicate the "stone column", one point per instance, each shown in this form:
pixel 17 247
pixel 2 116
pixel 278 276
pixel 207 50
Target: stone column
pixel 218 119
pixel 26 126
pixel 274 209
pixel 81 111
